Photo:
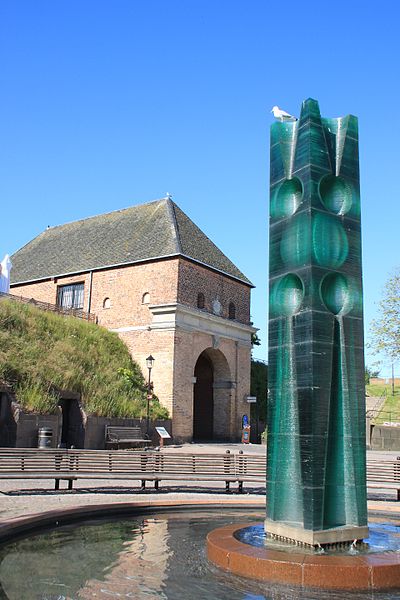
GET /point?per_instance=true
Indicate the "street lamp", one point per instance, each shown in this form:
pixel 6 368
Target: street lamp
pixel 392 379
pixel 149 365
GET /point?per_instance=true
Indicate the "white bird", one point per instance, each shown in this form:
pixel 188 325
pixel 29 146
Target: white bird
pixel 282 115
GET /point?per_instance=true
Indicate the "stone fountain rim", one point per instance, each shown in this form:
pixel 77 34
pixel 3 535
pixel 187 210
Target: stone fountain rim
pixel 375 571
pixel 22 526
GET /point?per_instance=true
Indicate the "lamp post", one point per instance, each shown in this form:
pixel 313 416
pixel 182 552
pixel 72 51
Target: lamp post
pixel 392 379
pixel 149 365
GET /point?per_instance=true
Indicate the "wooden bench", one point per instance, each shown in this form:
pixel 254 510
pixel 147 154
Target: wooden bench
pixel 227 467
pixel 116 436
pixel 384 474
pixel 144 466
pixel 158 466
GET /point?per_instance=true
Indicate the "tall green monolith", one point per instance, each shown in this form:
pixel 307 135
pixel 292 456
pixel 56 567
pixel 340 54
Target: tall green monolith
pixel 316 473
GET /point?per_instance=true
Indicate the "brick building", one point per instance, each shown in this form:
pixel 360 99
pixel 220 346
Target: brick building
pixel 150 274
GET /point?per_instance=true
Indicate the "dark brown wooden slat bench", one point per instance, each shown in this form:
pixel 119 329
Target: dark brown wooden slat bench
pixel 132 436
pixel 144 466
pixel 35 464
pixel 227 467
pixel 384 474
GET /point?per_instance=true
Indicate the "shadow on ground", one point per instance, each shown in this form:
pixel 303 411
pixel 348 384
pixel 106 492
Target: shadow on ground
pixel 136 491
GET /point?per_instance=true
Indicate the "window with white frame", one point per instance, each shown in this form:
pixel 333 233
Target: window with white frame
pixel 70 296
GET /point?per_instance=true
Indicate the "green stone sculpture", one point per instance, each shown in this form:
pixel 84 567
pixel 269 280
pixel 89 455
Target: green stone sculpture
pixel 316 473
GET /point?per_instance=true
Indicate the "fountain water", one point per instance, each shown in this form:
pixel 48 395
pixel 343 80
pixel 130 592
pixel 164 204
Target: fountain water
pixel 153 555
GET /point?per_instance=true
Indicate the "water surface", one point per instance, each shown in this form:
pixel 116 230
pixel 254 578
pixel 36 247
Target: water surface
pixel 145 558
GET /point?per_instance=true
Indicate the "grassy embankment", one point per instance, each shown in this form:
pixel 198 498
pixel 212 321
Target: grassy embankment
pixel 42 351
pixel 391 408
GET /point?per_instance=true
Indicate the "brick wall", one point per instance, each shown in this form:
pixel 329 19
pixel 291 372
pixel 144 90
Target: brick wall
pixel 176 351
pixel 195 279
pixel 165 281
pixel 46 291
pixel 231 366
pixel 160 344
pixel 123 286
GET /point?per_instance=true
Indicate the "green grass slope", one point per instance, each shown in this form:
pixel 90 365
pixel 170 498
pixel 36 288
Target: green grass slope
pixel 41 351
pixel 390 410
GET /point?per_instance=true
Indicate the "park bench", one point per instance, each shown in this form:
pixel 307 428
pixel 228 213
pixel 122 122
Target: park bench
pixel 61 464
pixel 384 474
pixel 227 467
pixel 117 436
pixel 157 466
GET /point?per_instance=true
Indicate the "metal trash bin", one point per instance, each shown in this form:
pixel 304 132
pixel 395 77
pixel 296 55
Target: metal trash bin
pixel 45 437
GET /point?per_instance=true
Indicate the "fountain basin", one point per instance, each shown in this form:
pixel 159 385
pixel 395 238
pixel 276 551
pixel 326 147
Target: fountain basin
pixel 158 551
pixel 370 571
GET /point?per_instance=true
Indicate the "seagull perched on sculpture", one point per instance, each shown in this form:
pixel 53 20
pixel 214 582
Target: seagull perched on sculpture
pixel 282 115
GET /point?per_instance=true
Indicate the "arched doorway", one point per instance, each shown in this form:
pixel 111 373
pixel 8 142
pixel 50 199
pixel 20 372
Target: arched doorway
pixel 213 401
pixel 8 426
pixel 203 407
pixel 72 429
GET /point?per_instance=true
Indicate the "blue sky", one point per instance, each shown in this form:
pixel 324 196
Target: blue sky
pixel 108 104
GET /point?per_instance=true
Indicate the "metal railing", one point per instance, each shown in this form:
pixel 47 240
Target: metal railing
pixel 67 312
pixel 376 409
pixel 391 417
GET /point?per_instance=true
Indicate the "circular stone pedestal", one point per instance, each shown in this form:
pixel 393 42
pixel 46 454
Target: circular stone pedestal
pixel 375 571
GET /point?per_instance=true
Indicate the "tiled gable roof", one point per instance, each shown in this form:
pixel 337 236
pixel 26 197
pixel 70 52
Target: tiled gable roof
pixel 148 231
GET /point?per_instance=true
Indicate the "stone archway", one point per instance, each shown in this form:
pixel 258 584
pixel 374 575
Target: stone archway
pixel 212 397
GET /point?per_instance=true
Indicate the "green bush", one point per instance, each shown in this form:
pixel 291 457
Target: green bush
pixel 264 436
pixel 41 352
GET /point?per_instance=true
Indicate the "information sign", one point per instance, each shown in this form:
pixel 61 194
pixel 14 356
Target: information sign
pixel 163 433
pixel 251 399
